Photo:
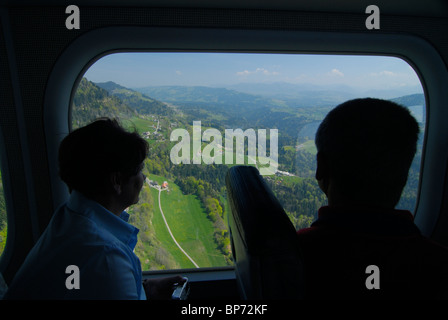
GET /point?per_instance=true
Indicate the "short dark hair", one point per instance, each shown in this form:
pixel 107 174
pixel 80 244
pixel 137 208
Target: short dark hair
pixel 88 155
pixel 370 145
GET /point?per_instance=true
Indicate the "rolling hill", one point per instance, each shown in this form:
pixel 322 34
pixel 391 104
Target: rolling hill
pixel 92 102
pixel 136 100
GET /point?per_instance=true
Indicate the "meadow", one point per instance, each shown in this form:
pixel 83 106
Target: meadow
pixel 189 224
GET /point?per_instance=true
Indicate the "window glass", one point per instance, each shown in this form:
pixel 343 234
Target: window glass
pixel 186 105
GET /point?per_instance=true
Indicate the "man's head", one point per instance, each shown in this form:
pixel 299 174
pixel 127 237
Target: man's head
pixel 101 158
pixel 365 148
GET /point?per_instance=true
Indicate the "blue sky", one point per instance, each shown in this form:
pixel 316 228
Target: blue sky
pixel 220 69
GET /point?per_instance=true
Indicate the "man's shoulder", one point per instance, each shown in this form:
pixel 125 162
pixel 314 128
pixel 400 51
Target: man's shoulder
pixel 434 248
pixel 325 237
pixel 317 232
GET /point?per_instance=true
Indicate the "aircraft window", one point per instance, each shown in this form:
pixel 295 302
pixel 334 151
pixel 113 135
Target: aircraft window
pixel 3 218
pixel 189 106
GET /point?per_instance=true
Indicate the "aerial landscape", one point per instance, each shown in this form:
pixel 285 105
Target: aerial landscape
pixel 182 212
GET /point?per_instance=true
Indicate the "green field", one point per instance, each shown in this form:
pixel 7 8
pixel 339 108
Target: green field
pixel 141 125
pixel 188 223
pixel 309 146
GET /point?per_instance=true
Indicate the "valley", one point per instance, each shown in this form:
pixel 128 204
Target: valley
pixel 195 207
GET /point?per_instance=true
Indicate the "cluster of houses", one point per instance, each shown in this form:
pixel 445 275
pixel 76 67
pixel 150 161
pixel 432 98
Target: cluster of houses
pixel 155 184
pixel 156 135
pixel 156 132
pixel 146 134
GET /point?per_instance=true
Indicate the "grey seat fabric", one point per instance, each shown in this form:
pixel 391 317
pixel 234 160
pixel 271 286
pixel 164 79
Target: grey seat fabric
pixel 264 242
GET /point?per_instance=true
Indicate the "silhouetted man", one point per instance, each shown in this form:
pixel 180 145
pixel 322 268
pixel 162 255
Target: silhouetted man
pixel 360 246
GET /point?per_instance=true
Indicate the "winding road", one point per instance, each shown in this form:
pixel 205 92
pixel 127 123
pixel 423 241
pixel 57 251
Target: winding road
pixel 158 187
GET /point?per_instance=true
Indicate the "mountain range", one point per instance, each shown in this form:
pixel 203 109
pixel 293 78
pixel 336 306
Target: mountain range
pixel 279 93
pixel 231 107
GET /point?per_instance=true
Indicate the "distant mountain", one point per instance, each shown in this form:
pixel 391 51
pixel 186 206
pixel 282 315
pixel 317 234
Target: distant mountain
pixel 289 90
pixel 256 95
pixel 415 103
pixel 136 100
pixel 411 100
pixel 199 95
pixel 309 95
pixel 92 102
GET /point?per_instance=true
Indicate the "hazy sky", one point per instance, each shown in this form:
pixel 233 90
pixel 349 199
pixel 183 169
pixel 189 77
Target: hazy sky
pixel 216 69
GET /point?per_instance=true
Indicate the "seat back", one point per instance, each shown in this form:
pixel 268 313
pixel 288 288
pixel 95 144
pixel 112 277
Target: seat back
pixel 264 242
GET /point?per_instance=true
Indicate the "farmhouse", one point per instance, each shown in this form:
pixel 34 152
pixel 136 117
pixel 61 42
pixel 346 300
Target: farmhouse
pixel 153 183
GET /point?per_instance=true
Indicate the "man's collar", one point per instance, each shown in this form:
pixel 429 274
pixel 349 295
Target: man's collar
pixel 118 226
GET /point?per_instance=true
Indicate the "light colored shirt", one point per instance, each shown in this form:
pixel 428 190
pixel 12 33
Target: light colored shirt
pixel 84 234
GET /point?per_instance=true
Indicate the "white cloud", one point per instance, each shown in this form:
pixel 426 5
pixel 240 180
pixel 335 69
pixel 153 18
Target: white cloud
pixel 258 71
pixel 179 73
pixel 243 73
pixel 387 73
pixel 336 72
pixel 384 73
